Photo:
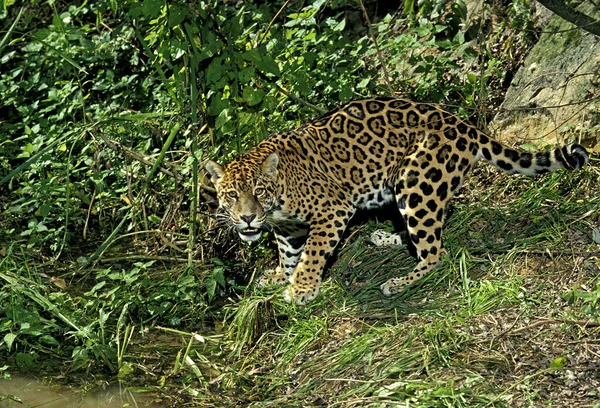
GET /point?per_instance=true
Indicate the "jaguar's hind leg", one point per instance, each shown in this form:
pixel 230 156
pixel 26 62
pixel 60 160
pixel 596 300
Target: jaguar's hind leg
pixel 424 224
pixel 384 238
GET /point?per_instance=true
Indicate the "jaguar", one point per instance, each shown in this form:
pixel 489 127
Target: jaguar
pixel 306 184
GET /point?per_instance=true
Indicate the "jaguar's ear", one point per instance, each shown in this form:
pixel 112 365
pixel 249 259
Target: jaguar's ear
pixel 269 166
pixel 215 170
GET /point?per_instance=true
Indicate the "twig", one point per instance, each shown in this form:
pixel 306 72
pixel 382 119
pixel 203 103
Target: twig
pixel 89 213
pixel 573 16
pixel 584 323
pixel 507 330
pixel 300 101
pixel 290 95
pixel 272 21
pixel 146 257
pixel 525 108
pixel 386 75
pixel 516 384
pixel 118 147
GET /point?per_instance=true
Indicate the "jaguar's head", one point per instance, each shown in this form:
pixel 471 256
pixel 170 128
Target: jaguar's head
pixel 246 189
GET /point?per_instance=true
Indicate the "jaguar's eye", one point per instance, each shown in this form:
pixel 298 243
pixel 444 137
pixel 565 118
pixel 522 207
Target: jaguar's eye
pixel 258 191
pixel 232 194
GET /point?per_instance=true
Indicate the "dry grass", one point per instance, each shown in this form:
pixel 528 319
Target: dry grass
pixel 491 327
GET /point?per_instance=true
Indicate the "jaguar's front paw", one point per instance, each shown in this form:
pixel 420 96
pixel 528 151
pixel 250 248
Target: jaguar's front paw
pixel 272 276
pixel 384 238
pixel 393 286
pixel 300 296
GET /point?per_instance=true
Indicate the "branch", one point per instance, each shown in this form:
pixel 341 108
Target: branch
pixel 564 10
pixel 382 61
pixel 298 100
pixel 136 156
pixel 289 94
pixel 581 323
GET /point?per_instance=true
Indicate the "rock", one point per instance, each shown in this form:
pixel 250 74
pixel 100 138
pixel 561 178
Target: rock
pixel 555 97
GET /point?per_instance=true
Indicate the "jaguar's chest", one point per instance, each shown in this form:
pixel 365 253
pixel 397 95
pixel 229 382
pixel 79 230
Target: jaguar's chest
pixel 286 217
pixel 376 198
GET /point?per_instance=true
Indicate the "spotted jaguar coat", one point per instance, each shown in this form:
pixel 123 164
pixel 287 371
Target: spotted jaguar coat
pixel 306 184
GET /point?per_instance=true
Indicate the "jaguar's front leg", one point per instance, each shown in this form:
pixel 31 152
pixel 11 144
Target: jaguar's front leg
pixel 290 243
pixel 324 236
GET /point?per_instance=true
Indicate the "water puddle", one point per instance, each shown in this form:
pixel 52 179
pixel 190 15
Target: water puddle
pixel 32 393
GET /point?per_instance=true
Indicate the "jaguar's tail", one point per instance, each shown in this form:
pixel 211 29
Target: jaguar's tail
pixel 570 157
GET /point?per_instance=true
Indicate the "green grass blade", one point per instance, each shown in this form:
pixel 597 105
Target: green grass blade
pixel 31 160
pixel 161 156
pixel 62 55
pixel 10 30
pixel 106 242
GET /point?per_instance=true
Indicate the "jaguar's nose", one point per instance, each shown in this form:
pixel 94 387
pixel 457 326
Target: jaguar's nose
pixel 248 218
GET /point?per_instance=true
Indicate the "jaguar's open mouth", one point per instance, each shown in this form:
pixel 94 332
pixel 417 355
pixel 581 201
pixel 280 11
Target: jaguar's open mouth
pixel 249 234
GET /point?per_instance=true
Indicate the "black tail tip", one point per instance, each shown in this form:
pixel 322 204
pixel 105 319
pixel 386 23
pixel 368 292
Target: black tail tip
pixel 575 156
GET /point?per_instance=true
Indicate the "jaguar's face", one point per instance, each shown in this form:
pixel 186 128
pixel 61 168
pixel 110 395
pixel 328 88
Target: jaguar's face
pixel 245 208
pixel 246 195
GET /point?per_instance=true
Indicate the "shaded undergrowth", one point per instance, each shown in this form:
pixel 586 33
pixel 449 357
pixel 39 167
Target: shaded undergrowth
pixel 110 269
pixel 509 318
pixel 490 327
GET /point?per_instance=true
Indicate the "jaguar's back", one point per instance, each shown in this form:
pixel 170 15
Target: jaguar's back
pixel 307 183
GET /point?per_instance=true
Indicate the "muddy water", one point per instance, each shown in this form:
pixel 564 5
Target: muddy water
pixel 36 394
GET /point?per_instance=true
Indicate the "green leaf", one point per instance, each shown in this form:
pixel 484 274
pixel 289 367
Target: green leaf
pixel 218 275
pixel 346 93
pixel 409 7
pixel 423 31
pixel 157 310
pixel 45 210
pixel 125 369
pixel 339 26
pixel 245 75
pixel 177 14
pixel 41 227
pixel 217 105
pixel 301 86
pixel 558 363
pixel 49 340
pixel 211 287
pixel 215 71
pixel 318 3
pixel 80 353
pixel 268 65
pixel 312 34
pixel 25 360
pixel 223 118
pixel 529 147
pixel 151 8
pixel 9 338
pixel 154 218
pixel 363 83
pixel 253 96
pixel 96 288
pixel 596 235
pixel 252 55
pixel 185 281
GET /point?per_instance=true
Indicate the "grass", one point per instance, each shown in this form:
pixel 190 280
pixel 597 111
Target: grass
pixel 484 330
pixel 489 328
pixel 516 293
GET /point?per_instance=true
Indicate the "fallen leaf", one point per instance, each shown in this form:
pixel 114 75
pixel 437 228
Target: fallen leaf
pixel 58 282
pixel 596 235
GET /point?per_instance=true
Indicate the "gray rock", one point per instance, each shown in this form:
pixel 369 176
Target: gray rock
pixel 555 96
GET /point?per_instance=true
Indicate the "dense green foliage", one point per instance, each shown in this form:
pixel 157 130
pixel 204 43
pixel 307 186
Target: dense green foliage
pixel 76 78
pixel 108 110
pixel 84 85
